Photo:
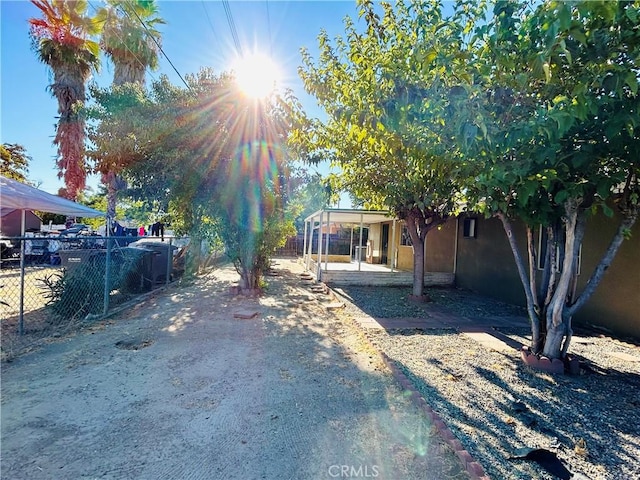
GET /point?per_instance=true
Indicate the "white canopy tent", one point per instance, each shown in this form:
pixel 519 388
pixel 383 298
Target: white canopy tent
pixel 19 196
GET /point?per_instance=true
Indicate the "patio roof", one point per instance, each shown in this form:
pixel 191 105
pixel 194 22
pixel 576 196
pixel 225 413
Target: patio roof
pixel 354 216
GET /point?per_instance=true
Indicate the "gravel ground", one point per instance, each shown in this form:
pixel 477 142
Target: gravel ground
pixel 496 405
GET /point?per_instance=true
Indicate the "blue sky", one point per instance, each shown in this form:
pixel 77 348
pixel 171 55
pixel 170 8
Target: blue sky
pixel 196 35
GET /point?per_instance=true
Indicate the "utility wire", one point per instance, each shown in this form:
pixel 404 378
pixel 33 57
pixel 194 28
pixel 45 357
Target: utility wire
pixel 159 47
pixel 232 27
pixel 269 31
pixel 206 12
pixel 95 10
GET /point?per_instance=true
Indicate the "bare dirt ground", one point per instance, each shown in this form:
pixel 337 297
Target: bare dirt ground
pixel 179 388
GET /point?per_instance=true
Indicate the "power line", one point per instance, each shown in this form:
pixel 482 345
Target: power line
pixel 158 45
pixel 232 26
pixel 269 30
pixel 206 12
pixel 142 64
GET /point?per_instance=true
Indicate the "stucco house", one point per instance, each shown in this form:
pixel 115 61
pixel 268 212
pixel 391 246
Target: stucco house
pixel 473 252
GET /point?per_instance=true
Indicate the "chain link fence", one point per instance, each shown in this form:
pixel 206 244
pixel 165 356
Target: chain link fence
pixel 49 285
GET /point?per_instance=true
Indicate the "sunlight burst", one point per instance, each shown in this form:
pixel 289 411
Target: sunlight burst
pixel 256 74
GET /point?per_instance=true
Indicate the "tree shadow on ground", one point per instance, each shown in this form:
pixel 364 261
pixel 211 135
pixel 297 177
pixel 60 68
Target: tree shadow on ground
pixel 490 399
pixel 287 394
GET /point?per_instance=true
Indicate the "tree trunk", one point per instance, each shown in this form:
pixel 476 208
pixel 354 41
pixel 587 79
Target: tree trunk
pixel 531 251
pixel 249 275
pixel 534 316
pixel 418 256
pixel 69 89
pixel 418 269
pixel 112 195
pixel 558 321
pixel 194 258
pixel 553 341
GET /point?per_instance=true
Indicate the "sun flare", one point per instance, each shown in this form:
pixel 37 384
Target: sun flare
pixel 256 74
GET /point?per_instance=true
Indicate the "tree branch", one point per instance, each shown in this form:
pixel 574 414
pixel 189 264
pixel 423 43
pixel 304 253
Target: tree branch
pixel 627 222
pixel 532 269
pixel 554 313
pixel 533 315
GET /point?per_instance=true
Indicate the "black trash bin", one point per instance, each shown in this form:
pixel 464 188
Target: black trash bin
pixel 73 260
pixel 136 269
pixel 161 262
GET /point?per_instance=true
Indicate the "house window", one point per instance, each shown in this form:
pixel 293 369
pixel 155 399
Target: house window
pixel 405 238
pixel 542 252
pixel 542 247
pixel 469 228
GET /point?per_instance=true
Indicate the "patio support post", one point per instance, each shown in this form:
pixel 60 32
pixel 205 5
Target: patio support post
pixel 170 261
pixel 23 242
pixel 312 227
pixel 319 265
pixel 351 244
pixel 360 244
pixel 326 253
pixel 393 245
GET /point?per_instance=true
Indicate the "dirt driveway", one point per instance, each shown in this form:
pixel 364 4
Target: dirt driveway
pixel 180 389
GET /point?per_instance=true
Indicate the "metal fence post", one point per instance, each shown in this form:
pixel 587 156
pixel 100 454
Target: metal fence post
pixel 169 262
pixel 107 277
pixel 22 267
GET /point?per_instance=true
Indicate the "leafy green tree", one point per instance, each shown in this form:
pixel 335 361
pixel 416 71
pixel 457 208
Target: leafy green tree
pixel 252 189
pixel 14 161
pixel 120 133
pixel 389 94
pixel 62 40
pixel 311 194
pixel 559 141
pixel 252 208
pixel 209 158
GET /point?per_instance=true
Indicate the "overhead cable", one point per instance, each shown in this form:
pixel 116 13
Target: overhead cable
pixel 159 47
pixel 269 30
pixel 232 27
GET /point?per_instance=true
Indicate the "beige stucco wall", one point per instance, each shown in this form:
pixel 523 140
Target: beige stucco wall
pixel 440 248
pixel 485 264
pixel 616 302
pixel 405 258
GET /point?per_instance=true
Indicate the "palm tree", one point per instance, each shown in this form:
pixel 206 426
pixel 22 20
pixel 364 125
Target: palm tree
pixel 62 40
pixel 132 42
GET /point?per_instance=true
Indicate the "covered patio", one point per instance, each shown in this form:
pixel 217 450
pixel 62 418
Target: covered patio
pixel 321 222
pixel 357 267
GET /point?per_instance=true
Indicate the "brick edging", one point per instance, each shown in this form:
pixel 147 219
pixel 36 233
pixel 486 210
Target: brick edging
pixel 472 467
